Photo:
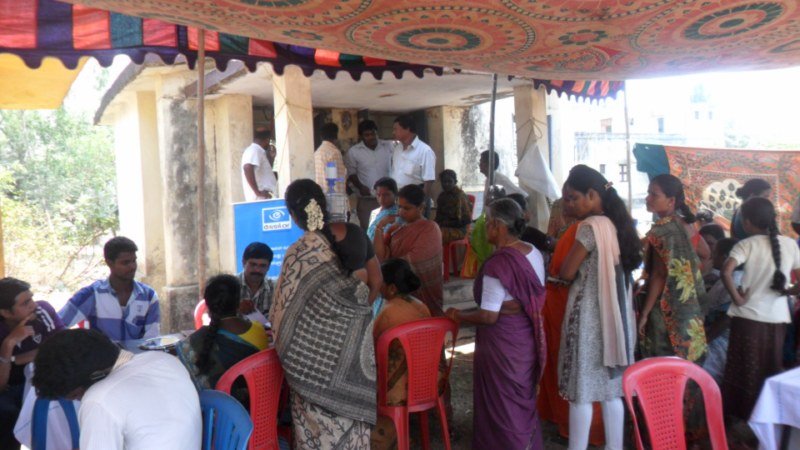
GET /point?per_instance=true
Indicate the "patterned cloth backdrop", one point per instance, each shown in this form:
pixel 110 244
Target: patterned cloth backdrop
pixel 711 176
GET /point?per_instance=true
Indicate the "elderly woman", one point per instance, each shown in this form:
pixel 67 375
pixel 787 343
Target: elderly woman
pixel 509 341
pixel 418 241
pixel 386 192
pixel 329 364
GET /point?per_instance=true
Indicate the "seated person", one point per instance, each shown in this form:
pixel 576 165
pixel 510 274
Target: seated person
pixel 356 254
pixel 717 322
pixel 210 351
pixel 386 193
pixel 144 401
pixel 257 288
pixel 712 233
pixel 399 281
pixel 453 210
pixel 24 325
pixel 119 306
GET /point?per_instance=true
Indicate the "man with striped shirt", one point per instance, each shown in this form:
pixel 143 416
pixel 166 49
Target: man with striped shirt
pixel 120 307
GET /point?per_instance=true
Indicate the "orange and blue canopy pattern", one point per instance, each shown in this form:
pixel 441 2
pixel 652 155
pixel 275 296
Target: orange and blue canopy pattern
pixel 544 39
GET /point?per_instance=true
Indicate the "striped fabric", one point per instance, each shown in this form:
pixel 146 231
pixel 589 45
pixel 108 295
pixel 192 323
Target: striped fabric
pixel 98 303
pixel 34 29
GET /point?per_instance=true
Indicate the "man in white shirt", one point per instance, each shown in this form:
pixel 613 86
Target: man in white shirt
pixel 132 402
pixel 367 162
pixel 499 178
pixel 413 161
pixel 258 180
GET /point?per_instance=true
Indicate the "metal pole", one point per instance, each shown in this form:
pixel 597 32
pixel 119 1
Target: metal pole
pixel 628 147
pixel 490 169
pixel 201 157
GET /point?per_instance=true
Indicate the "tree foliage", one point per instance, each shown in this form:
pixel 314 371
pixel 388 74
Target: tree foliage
pixel 58 195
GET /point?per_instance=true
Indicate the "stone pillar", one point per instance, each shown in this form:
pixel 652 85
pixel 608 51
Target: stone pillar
pixel 177 137
pixel 294 126
pixel 435 124
pixel 233 132
pixel 530 107
pixel 139 182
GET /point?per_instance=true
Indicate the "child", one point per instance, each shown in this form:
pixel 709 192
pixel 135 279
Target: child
pixel 717 321
pixel 760 309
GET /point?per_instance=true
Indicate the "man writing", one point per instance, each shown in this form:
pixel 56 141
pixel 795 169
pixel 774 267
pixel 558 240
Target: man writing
pixel 258 180
pixel 367 162
pixel 119 306
pixel 413 161
pixel 257 289
pixel 144 401
pixel 24 324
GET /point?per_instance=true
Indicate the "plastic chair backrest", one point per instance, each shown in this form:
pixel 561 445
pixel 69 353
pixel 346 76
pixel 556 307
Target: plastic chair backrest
pixel 226 424
pixel 199 311
pixel 659 385
pixel 422 341
pixel 41 411
pixel 264 377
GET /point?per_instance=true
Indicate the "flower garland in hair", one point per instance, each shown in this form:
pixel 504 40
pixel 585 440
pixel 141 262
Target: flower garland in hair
pixel 314 217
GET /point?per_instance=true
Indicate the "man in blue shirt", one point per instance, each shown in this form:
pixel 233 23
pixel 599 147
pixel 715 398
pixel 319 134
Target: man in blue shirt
pixel 120 307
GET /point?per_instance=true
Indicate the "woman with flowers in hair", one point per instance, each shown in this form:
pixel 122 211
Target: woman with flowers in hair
pixel 418 241
pixel 322 323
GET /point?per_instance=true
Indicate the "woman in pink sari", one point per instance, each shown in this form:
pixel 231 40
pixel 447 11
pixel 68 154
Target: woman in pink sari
pixel 418 241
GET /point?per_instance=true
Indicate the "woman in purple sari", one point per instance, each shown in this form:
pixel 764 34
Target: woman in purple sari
pixel 509 342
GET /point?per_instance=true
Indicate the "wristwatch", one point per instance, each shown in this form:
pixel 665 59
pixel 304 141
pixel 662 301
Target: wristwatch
pixel 8 360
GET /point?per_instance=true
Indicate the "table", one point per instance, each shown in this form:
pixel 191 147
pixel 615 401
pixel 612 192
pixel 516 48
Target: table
pixel 778 408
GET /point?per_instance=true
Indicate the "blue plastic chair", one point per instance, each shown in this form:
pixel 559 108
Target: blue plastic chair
pixel 226 424
pixel 41 411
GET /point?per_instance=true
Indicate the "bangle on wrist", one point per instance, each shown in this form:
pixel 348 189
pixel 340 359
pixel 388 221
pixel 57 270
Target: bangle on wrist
pixel 10 360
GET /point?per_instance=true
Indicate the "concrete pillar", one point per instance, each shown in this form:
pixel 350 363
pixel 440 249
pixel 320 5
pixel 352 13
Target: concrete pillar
pixel 530 118
pixel 232 119
pixel 177 137
pixel 294 126
pixel 435 124
pixel 139 182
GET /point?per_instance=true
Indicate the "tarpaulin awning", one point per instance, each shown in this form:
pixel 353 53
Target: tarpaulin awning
pixel 711 176
pixel 42 88
pixel 544 39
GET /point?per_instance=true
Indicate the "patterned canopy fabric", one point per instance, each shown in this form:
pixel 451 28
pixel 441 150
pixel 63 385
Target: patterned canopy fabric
pixel 545 39
pixel 35 29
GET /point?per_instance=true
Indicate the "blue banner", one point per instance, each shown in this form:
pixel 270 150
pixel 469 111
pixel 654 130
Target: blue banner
pixel 266 221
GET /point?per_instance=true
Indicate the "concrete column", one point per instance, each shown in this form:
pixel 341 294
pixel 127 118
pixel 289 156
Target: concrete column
pixel 233 132
pixel 177 137
pixel 139 182
pixel 435 124
pixel 530 118
pixel 294 126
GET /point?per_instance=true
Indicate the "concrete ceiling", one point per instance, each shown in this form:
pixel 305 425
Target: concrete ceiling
pixel 388 95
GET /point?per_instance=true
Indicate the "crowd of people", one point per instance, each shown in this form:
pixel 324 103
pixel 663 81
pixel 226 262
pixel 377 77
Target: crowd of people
pixel 560 314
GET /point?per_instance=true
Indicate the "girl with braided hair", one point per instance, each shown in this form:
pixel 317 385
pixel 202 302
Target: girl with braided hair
pixel 760 309
pixel 229 338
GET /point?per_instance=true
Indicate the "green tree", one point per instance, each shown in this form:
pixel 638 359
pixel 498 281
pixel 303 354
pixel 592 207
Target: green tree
pixel 58 195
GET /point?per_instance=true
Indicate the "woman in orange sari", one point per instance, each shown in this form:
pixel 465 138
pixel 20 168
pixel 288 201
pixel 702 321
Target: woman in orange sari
pixel 418 241
pixel 553 407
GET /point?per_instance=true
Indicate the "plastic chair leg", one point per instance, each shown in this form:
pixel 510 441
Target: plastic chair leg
pixel 424 426
pixel 400 421
pixel 443 419
pixel 446 264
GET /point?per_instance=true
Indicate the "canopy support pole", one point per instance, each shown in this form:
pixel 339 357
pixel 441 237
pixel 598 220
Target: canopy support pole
pixel 628 147
pixel 201 157
pixel 490 168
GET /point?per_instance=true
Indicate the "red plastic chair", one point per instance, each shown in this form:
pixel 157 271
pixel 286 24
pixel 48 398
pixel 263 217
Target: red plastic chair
pixel 264 377
pixel 449 252
pixel 659 384
pixel 199 311
pixel 422 342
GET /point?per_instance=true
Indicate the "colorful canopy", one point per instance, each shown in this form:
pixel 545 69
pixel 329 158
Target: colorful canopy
pixel 545 39
pixel 34 29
